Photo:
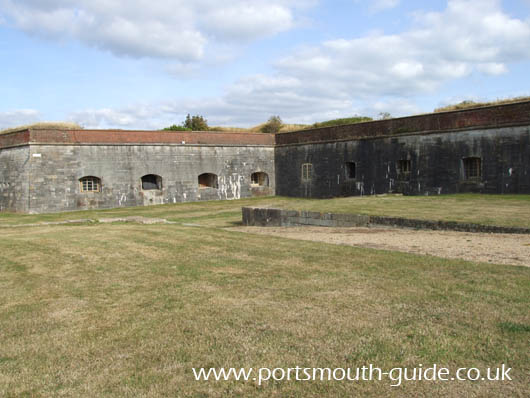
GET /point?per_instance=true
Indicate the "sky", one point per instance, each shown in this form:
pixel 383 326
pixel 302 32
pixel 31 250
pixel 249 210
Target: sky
pixel 144 64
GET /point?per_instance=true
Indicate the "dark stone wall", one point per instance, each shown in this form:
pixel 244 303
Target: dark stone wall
pixel 267 217
pixel 436 162
pixel 55 174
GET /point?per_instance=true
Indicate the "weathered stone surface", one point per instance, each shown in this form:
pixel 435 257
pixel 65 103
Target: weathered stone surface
pixel 436 162
pixel 14 178
pixel 253 216
pixel 40 168
pixel 55 173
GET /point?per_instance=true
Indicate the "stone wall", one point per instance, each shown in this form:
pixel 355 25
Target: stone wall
pixel 267 217
pixel 435 160
pixel 14 178
pixel 56 170
pixel 40 168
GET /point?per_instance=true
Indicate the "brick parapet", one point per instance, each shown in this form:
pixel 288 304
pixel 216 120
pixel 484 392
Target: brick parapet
pixel 506 115
pixel 15 138
pixel 124 137
pixel 148 137
pixel 516 114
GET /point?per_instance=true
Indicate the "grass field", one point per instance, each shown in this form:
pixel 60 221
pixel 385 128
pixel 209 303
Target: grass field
pixel 504 210
pixel 127 310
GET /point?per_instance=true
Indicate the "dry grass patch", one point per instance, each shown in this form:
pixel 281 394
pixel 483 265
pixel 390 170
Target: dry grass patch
pixel 124 321
pixel 472 104
pixel 44 125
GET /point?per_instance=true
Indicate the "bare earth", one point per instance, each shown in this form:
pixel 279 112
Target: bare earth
pixel 510 249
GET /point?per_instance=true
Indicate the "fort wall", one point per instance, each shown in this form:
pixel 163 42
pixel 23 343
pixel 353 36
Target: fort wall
pixel 14 179
pixel 57 169
pixel 476 150
pixel 408 164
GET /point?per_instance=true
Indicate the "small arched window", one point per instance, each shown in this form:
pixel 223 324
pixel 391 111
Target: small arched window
pixel 90 184
pixel 259 179
pixel 151 181
pixel 208 180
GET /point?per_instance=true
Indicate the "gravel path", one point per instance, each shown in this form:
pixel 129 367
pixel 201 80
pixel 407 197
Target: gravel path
pixel 510 249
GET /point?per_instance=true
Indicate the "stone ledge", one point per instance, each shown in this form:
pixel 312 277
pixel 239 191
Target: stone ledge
pixel 268 217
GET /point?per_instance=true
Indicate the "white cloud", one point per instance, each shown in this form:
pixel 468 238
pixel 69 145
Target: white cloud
pixel 363 75
pixel 492 68
pixel 134 116
pixel 247 21
pixel 177 29
pixel 18 117
pixel 442 46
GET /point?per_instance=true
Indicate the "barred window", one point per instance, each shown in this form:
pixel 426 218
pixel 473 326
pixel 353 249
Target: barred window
pixel 208 180
pixel 259 179
pixel 307 171
pixel 151 182
pixel 90 184
pixel 351 170
pixel 404 166
pixel 472 168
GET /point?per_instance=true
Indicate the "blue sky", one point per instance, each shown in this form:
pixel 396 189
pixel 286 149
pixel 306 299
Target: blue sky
pixel 146 64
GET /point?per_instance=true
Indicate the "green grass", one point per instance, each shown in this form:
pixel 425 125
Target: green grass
pixel 127 309
pixel 503 210
pixel 340 122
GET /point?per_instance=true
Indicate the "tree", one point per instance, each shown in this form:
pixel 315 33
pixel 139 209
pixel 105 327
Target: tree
pixel 273 125
pixel 196 123
pixel 384 116
pixel 174 127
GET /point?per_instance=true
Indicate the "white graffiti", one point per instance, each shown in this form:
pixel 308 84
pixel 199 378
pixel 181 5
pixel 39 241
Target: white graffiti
pixel 230 184
pixel 122 199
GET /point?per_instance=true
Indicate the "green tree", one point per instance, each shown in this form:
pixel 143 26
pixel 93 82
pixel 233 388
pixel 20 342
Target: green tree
pixel 174 127
pixel 273 125
pixel 196 123
pixel 384 116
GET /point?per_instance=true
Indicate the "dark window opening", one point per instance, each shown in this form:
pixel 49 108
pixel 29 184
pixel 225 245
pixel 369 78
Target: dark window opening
pixel 259 179
pixel 90 184
pixel 151 181
pixel 307 171
pixel 351 171
pixel 472 168
pixel 208 180
pixel 404 166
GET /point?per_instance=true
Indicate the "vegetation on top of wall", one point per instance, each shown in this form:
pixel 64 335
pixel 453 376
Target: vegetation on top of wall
pixel 192 123
pixel 286 127
pixel 472 104
pixel 196 123
pixel 273 125
pixel 174 127
pixel 339 122
pixel 44 125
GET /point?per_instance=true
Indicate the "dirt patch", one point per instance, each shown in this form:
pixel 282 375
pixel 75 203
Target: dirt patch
pixel 512 249
pixel 133 219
